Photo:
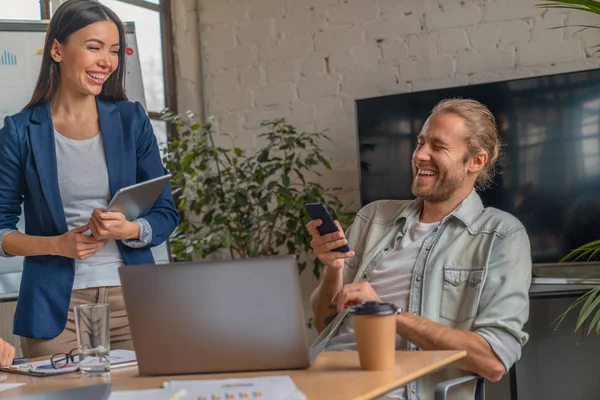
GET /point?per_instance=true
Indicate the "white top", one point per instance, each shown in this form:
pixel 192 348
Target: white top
pixel 391 281
pixel 84 186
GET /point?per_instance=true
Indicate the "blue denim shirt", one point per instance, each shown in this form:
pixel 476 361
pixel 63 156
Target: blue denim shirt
pixel 472 273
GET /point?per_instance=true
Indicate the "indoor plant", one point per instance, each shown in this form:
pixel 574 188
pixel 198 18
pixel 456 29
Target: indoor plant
pixel 592 6
pixel 583 5
pixel 241 205
pixel 590 302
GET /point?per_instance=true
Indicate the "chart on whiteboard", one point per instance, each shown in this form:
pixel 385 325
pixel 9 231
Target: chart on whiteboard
pixel 20 60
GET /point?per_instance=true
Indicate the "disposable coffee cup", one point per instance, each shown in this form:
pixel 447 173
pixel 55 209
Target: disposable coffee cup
pixel 375 333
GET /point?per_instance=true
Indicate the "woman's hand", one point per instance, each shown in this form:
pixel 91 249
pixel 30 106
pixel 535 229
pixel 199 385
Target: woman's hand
pixel 74 244
pixel 7 354
pixel 107 225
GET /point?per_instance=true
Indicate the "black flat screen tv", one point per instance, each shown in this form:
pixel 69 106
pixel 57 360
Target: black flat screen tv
pixel 549 177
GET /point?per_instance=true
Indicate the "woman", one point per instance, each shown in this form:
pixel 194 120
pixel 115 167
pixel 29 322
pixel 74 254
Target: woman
pixel 65 155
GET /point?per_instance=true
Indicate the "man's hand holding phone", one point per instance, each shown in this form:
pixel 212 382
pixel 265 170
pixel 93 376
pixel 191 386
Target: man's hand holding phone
pixel 323 245
pixel 331 247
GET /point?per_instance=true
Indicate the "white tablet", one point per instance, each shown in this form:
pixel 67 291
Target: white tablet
pixel 137 200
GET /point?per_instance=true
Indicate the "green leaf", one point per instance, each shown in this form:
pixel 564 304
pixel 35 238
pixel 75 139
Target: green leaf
pixel 187 161
pixel 285 193
pixel 260 176
pixel 324 161
pixel 587 251
pixel 595 324
pixel 301 267
pixel 241 199
pixel 279 238
pixel 583 5
pixel 226 238
pixel 264 156
pixel 264 202
pixel 588 307
pixel 238 152
pixel 291 246
pixel 574 305
pixel 285 179
pixel 300 175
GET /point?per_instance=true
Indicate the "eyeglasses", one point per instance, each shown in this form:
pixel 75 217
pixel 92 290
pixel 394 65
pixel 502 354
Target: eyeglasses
pixel 61 360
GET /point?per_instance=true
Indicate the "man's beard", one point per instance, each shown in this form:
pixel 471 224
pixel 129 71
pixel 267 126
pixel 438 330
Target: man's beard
pixel 446 184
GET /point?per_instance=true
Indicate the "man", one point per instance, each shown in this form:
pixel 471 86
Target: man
pixel 460 272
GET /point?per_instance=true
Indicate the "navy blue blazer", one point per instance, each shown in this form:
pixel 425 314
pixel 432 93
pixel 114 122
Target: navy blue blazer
pixel 28 174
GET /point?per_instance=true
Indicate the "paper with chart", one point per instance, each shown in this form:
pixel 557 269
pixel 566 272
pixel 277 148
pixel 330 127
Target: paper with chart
pixel 150 394
pixel 263 388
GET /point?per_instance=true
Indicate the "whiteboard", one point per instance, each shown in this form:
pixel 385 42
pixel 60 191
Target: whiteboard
pixel 21 45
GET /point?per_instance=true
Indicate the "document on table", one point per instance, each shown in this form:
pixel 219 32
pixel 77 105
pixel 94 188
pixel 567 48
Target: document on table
pixel 118 358
pixel 264 388
pixel 149 394
pixel 122 358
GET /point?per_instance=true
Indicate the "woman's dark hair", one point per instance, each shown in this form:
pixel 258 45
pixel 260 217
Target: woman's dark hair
pixel 71 16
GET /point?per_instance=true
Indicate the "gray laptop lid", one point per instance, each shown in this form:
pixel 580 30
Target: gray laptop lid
pixel 90 392
pixel 223 316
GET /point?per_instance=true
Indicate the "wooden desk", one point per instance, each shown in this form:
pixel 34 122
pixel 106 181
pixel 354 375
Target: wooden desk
pixel 333 376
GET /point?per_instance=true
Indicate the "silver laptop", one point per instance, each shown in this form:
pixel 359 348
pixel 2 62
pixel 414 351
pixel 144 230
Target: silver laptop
pixel 89 392
pixel 221 316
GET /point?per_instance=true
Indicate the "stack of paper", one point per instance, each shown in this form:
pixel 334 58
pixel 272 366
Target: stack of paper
pixel 122 358
pixel 263 388
pixel 150 394
pixel 118 359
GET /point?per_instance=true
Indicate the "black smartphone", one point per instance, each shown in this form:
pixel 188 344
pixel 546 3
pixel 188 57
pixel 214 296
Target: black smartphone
pixel 320 211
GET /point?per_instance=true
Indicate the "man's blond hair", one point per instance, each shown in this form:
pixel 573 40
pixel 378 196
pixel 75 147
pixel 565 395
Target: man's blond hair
pixel 482 134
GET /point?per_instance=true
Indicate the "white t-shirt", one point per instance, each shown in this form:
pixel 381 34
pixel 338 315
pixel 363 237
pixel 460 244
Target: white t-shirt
pixel 391 280
pixel 84 186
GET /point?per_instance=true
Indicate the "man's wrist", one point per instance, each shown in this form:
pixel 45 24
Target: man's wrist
pixel 401 320
pixel 332 274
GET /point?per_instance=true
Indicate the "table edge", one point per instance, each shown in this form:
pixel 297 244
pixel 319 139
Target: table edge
pixel 459 354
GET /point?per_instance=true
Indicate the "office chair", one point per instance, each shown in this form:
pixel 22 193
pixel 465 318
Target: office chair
pixel 441 389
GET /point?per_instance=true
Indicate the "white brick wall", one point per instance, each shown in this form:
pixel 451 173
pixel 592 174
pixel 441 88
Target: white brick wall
pixel 338 37
pixel 393 27
pixel 310 60
pixel 255 31
pixel 186 48
pixel 450 16
pixel 484 37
